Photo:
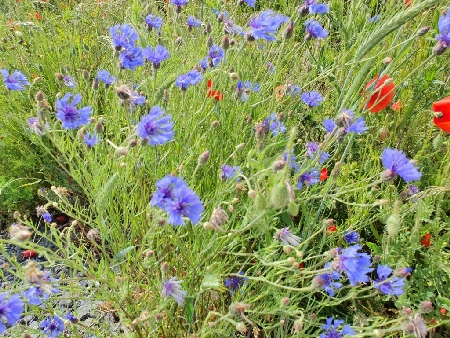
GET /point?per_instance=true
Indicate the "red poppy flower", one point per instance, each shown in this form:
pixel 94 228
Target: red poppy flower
pixel 28 254
pixel 443 107
pixel 332 228
pixel 426 240
pixel 213 93
pixel 381 95
pixel 323 174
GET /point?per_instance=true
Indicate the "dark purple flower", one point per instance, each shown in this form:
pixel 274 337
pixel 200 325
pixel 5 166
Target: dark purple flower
pixel 124 36
pixel 227 172
pixel 396 163
pixel 172 288
pixel 351 237
pixel 156 56
pixel 15 81
pixel 309 178
pixel 47 217
pixel 153 21
pixel 235 282
pixel 393 286
pixel 155 127
pixel 131 58
pixel 356 265
pixel 313 150
pixel 52 327
pixel 10 310
pixel 315 30
pixel 287 237
pixel 331 330
pixel 91 140
pixel 190 78
pixel 444 29
pixel 105 76
pixel 193 22
pixel 265 25
pixel 312 99
pixel 215 55
pixel 69 115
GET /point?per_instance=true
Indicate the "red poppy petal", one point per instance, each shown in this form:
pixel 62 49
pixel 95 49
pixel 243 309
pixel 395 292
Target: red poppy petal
pixel 209 84
pixel 323 174
pixel 442 106
pixel 382 94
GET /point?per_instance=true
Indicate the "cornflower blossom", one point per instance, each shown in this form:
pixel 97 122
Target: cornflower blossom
pixel 314 8
pixel 243 88
pixel 172 288
pixel 47 217
pixel 91 140
pixel 105 76
pixel 274 125
pixel 235 282
pixel 15 81
pixel 351 237
pixel 156 55
pixel 190 78
pixel 179 2
pixel 250 3
pixel 36 127
pixel 131 58
pixel 37 294
pixel 228 172
pixel 444 30
pixel 193 22
pixel 215 55
pixel 69 81
pixel 347 121
pixel 156 128
pixel 69 115
pixel 396 163
pixel 52 327
pixel 375 18
pixel 393 286
pixel 312 99
pixel 356 265
pixel 309 178
pixel 166 187
pixel 285 236
pixel 123 36
pixel 331 329
pixel 265 25
pixel 153 21
pixel 10 310
pixel 203 63
pixel 327 282
pixel 315 30
pixel 313 149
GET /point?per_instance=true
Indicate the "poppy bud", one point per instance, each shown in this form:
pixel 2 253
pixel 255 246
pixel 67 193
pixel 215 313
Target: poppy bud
pixel 241 328
pixel 438 142
pixel 279 196
pixel 292 208
pixel 260 202
pixel 252 194
pixel 393 225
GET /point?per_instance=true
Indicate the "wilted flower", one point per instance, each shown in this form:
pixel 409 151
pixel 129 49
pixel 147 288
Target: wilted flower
pixel 287 237
pixel 19 232
pixel 172 288
pixel 243 88
pixel 37 294
pixel 393 286
pixel 15 81
pixel 415 325
pixel 235 282
pixel 315 30
pixel 356 265
pixel 265 25
pixel 69 115
pixel 52 327
pixel 155 127
pixel 10 310
pixel 331 329
pixel 396 163
pixel 379 92
pixel 35 125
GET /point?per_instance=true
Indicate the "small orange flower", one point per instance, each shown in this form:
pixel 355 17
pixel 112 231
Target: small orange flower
pixel 213 93
pixel 443 311
pixel 397 106
pixel 332 228
pixel 381 95
pixel 443 107
pixel 279 91
pixel 426 240
pixel 323 174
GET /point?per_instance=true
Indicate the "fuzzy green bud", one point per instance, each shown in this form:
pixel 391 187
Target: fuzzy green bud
pixel 260 202
pixel 279 196
pixel 393 225
pixel 292 208
pixel 437 142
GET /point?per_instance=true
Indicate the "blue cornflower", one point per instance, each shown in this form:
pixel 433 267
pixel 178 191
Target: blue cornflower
pixel 190 78
pixel 193 22
pixel 444 30
pixel 105 76
pixel 315 8
pixel 357 127
pixel 71 318
pixel 329 125
pixel 153 21
pixel 292 89
pixel 10 310
pixel 315 30
pixel 274 125
pixel 215 55
pixel 91 140
pixel 243 88
pixel 15 81
pixel 165 192
pixel 285 236
pixel 292 164
pixel 327 282
pixel 203 63
pixel 265 25
pixel 69 115
pixel 156 128
pixel 227 172
pixel 356 265
pixel 184 203
pixel 375 18
pixel 351 237
pixel 235 282
pixel 347 121
pixel 309 178
pixel 312 99
pixel 36 294
pixel 396 163
pixel 156 56
pixel 331 330
pixel 69 81
pixel 47 217
pixel 172 288
pixel 313 148
pixel 251 3
pixel 394 286
pixel 124 36
pixel 131 58
pixel 52 327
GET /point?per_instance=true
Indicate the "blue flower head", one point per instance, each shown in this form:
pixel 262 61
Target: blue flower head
pixel 165 192
pixel 10 310
pixel 131 58
pixel 309 178
pixel 153 21
pixel 47 217
pixel 52 327
pixel 156 55
pixel 332 329
pixel 292 163
pixel 105 76
pixel 315 8
pixel 393 286
pixel 156 128
pixel 315 30
pixel 228 172
pixel 312 99
pixel 265 25
pixel 327 281
pixel 251 3
pixel 273 124
pixel 91 140
pixel 313 151
pixel 179 2
pixel 444 29
pixel 351 237
pixel 329 125
pixel 396 163
pixel 356 265
pixel 235 282
pixel 173 288
pixel 215 55
pixel 69 115
pixel 190 78
pixel 193 22
pixel 15 81
pixel 69 81
pixel 124 36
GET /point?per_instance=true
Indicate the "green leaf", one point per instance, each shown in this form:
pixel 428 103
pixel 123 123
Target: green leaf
pixel 121 254
pixel 211 282
pixel 189 309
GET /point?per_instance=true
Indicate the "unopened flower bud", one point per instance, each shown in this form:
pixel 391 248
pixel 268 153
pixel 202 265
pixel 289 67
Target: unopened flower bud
pixel 226 42
pixel 85 74
pixel 439 48
pixel 234 76
pixel 39 96
pixel 279 196
pixel 208 28
pixel 298 325
pixel 203 158
pixel 159 316
pixel 260 202
pixel 121 151
pixel 426 306
pixel 16 215
pixel 407 311
pixel 164 266
pixel 179 41
pixel 93 235
pixel 241 328
pixel 278 165
pixel 422 31
pixel 59 76
pixel 387 60
pixel 214 124
pixel 95 84
pixel 288 31
pixel 293 208
pixel 303 10
pixel 252 194
pixel 149 253
pixel 287 249
pixel 393 225
pixel 209 42
pixel 284 301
